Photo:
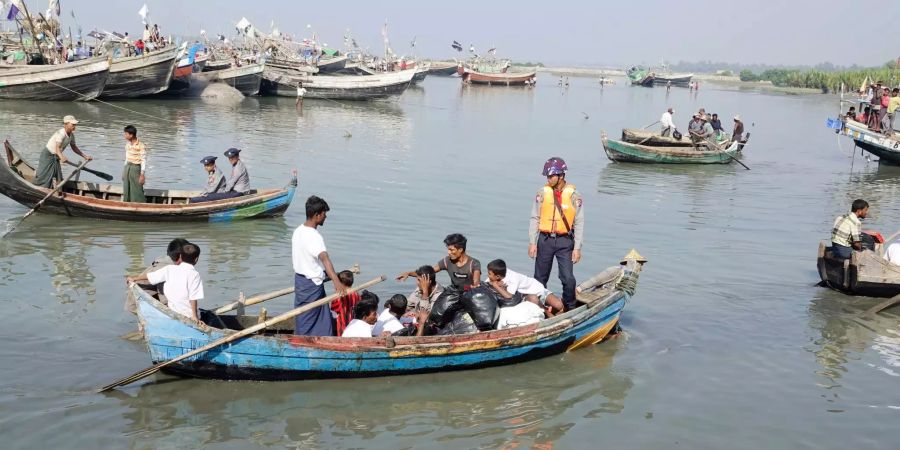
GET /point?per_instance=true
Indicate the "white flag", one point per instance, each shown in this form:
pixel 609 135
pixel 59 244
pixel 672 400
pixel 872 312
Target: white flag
pixel 243 24
pixel 53 8
pixel 144 11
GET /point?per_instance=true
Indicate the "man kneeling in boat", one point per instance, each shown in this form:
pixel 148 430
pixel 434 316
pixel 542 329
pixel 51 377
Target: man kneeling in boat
pixel 215 181
pixel 845 236
pixel 183 287
pixel 237 185
pixel 537 301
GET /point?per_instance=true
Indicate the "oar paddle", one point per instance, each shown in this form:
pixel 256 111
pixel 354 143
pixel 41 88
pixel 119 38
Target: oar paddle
pixel 881 306
pixel 233 337
pixel 716 149
pixel 53 192
pixel 648 126
pixel 100 174
pixel 264 297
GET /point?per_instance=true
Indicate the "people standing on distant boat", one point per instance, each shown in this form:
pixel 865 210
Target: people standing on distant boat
pixel 311 265
pixel 668 124
pixel 215 180
pixel 183 286
pixel 738 132
pixel 556 229
pixel 875 108
pixel 50 163
pixel 885 104
pixel 301 91
pixel 892 110
pixel 135 167
pixel 147 35
pixel 845 235
pixel 464 270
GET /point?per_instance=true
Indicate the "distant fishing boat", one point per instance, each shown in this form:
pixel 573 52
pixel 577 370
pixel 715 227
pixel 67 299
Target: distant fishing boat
pixel 219 64
pixel 620 151
pixel 865 273
pixel 440 69
pixel 278 355
pixel 137 76
pixel 419 76
pixel 76 81
pixel 338 87
pixel 332 64
pixel 246 79
pixel 681 80
pixel 103 201
pixel 473 76
pixel 640 76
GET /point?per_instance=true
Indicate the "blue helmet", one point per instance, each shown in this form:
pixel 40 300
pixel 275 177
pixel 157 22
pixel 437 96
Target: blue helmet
pixel 555 166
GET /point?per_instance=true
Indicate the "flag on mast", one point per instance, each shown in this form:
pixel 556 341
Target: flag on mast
pixel 53 8
pixel 144 12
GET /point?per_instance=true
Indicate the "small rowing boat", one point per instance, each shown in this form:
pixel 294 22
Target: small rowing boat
pixel 865 273
pixel 283 83
pixel 278 355
pixel 472 76
pixel 620 151
pixel 103 201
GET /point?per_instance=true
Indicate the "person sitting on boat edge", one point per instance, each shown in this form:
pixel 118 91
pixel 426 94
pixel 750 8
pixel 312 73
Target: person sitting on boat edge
pixel 183 287
pixel 215 180
pixel 668 125
pixel 238 184
pixel 365 314
pixel 851 113
pixel 342 307
pixel 508 283
pixel 427 291
pixel 845 235
pixel 464 270
pixel 49 167
pixel 389 320
pixel 311 264
pixel 135 166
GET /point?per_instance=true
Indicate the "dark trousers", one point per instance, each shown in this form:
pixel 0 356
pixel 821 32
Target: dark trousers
pixel 840 251
pixel 561 248
pixel 216 196
pixel 316 322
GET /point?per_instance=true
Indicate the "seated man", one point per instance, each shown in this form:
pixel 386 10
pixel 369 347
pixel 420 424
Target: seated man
pixel 464 270
pixel 342 307
pixel 845 235
pixel 183 288
pixel 389 320
pixel 851 113
pixel 427 291
pixel 215 181
pixel 507 283
pixel 892 254
pixel 365 314
pixel 239 182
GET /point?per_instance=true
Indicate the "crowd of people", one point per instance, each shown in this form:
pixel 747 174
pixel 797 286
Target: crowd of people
pixel 877 108
pixel 218 187
pixel 703 128
pixel 510 298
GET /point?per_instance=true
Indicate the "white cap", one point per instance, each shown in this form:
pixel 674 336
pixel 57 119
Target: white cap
pixel 70 119
pixel 738 117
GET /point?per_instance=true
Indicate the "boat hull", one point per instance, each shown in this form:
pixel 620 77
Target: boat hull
pixel 138 76
pixel 357 88
pixel 496 79
pixel 619 151
pixel 283 357
pixel 865 273
pixel 102 201
pixel 246 79
pixel 652 138
pixel 445 71
pixel 676 80
pixel 886 149
pixel 332 65
pixel 80 81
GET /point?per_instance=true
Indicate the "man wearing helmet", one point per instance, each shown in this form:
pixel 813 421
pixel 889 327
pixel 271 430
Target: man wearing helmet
pixel 556 229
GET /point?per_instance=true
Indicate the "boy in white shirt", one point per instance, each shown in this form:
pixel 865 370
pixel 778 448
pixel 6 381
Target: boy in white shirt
pixel 183 287
pixel 389 320
pixel 507 283
pixel 365 314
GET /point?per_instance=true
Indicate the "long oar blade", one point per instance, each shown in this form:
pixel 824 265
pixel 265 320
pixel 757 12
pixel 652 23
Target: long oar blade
pixel 54 191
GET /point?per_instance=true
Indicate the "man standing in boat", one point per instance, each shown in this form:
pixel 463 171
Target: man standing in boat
pixel 311 264
pixel 50 164
pixel 135 164
pixel 668 125
pixel 845 235
pixel 556 229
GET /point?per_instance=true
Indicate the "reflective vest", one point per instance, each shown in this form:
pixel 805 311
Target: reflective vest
pixel 550 221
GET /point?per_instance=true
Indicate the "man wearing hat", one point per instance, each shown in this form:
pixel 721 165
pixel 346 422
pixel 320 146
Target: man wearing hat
pixel 738 132
pixel 239 182
pixel 556 229
pixel 50 164
pixel 695 128
pixel 667 124
pixel 215 180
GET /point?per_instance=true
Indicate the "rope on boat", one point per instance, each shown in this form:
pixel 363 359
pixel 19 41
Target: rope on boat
pixel 114 106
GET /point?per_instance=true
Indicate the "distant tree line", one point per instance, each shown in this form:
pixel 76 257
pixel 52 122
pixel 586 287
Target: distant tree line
pixel 825 81
pixel 712 67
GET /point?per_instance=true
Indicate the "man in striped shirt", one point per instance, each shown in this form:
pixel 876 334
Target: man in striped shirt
pixel 847 228
pixel 135 163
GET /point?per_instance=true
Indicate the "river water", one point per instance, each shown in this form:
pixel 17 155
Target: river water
pixel 727 342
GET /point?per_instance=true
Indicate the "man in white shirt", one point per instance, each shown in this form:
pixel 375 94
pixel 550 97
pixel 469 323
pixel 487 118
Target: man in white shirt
pixel 183 287
pixel 507 283
pixel 49 167
pixel 892 255
pixel 389 320
pixel 311 264
pixel 668 125
pixel 365 314
pixel 301 91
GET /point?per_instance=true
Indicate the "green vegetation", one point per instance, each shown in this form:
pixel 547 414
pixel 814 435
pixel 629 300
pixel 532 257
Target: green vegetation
pixel 527 64
pixel 826 81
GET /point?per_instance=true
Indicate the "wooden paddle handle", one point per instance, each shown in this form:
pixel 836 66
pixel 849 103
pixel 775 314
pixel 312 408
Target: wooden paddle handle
pixel 240 334
pixel 265 297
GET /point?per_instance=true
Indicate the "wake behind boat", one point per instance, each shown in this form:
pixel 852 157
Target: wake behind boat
pixel 103 201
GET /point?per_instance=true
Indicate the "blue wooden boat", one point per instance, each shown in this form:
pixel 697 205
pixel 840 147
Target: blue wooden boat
pixel 279 355
pixel 104 201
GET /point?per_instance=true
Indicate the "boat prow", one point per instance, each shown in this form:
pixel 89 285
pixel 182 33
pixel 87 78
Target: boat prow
pixel 865 273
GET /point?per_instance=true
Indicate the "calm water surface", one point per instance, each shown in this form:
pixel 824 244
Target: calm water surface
pixel 728 344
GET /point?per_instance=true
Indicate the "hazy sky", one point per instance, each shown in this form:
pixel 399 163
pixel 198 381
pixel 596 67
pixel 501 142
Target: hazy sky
pixel 865 32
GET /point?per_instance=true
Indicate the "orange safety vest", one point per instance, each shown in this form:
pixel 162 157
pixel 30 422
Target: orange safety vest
pixel 550 221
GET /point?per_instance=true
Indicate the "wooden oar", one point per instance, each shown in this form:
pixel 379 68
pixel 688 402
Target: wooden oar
pixel 100 174
pixel 54 191
pixel 264 297
pixel 233 337
pixel 716 149
pixel 881 306
pixel 648 126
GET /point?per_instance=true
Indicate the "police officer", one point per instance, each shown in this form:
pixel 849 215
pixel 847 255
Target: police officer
pixel 215 180
pixel 556 229
pixel 239 181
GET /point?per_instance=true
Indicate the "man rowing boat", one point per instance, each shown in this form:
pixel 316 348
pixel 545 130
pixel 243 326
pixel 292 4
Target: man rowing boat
pixel 49 167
